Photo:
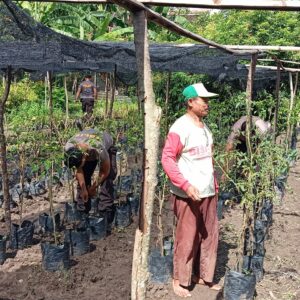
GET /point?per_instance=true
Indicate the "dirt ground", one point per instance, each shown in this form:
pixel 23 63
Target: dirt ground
pixel 105 272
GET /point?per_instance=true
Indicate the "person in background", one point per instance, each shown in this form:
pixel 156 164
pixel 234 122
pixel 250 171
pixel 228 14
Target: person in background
pixel 85 151
pixel 187 159
pixel 87 92
pixel 237 137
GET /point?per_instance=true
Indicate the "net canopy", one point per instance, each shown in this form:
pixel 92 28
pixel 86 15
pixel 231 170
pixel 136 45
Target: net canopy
pixel 28 45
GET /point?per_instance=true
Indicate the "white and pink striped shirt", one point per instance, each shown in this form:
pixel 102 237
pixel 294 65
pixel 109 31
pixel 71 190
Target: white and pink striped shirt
pixel 187 158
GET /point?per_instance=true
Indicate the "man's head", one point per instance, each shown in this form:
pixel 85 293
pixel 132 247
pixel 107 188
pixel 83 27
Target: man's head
pixel 88 76
pixel 196 99
pixel 73 157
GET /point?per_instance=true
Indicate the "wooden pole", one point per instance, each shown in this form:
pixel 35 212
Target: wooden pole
pixel 249 96
pixel 293 94
pixel 5 183
pixel 106 94
pixel 67 97
pixel 113 93
pixel 50 101
pixel 167 98
pixel 277 96
pixel 152 114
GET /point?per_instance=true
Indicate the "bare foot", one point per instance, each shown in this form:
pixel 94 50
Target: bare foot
pixel 179 290
pixel 211 285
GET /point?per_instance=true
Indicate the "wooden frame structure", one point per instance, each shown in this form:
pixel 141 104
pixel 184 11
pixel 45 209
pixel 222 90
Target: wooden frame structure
pixel 141 14
pixel 286 5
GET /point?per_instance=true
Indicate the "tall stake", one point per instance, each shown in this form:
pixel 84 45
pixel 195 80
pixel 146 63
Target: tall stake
pixel 5 182
pixel 277 95
pixel 51 203
pixel 167 98
pixel 106 94
pixel 152 114
pixel 293 94
pixel 113 93
pixel 50 101
pixel 249 95
pixel 67 97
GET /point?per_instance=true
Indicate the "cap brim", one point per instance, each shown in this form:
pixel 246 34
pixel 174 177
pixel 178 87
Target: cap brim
pixel 209 95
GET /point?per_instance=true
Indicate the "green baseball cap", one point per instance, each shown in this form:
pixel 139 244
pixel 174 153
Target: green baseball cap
pixel 197 90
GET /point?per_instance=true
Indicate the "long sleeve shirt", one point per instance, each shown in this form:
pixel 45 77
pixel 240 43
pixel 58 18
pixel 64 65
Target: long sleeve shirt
pixel 187 158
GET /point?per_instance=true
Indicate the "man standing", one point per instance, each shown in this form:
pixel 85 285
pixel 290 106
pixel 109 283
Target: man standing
pixel 88 94
pixel 188 162
pixel 84 151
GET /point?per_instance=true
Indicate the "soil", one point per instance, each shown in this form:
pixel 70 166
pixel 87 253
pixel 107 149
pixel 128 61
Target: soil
pixel 105 272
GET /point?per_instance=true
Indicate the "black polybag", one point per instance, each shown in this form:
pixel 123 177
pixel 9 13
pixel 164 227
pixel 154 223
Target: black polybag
pixel 239 286
pixel 46 222
pixel 2 249
pixel 134 201
pixel 123 215
pixel 98 227
pixel 72 215
pixel 160 267
pixel 55 257
pixel 79 240
pixel 22 236
pixel 254 264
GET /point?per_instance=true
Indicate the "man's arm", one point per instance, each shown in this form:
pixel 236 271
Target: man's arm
pixel 173 148
pixel 78 92
pixel 81 182
pixel 103 173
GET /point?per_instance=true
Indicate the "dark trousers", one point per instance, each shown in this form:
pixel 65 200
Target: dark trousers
pixel 87 105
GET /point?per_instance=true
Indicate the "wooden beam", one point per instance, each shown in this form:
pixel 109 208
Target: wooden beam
pixel 263 48
pixel 287 5
pixel 292 70
pixel 283 61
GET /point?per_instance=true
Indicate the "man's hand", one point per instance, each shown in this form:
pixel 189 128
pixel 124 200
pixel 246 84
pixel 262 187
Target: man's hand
pixel 193 193
pixel 84 195
pixel 92 191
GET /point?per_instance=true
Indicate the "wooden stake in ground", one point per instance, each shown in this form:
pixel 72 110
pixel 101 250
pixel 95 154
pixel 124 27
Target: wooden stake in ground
pixel 67 97
pixel 277 95
pixel 293 90
pixel 3 161
pixel 249 95
pixel 113 93
pixel 152 114
pixel 49 75
pixel 106 94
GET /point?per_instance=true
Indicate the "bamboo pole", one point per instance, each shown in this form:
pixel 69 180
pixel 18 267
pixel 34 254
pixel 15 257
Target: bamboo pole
pixel 6 196
pixel 49 75
pixel 113 93
pixel 281 60
pixel 291 107
pixel 67 97
pixel 249 96
pixel 152 114
pixel 291 70
pixel 263 48
pixel 167 98
pixel 277 95
pixel 106 94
